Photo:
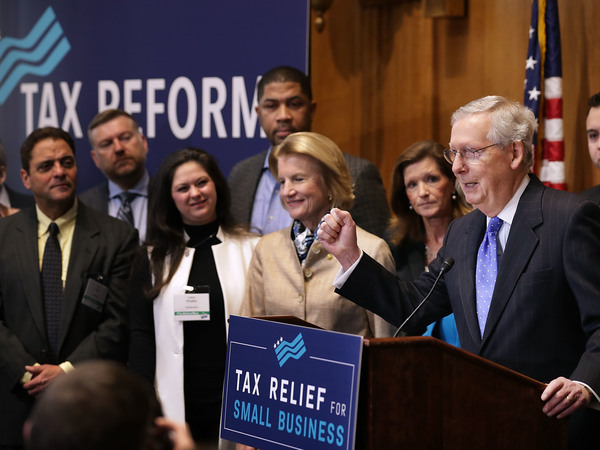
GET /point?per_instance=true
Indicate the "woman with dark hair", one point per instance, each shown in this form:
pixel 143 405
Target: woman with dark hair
pixel 195 261
pixel 424 201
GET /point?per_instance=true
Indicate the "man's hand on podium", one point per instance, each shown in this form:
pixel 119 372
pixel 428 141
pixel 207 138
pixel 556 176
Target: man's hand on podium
pixel 563 397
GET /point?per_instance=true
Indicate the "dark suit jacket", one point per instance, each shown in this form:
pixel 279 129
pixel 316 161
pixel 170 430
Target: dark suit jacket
pixel 96 197
pixel 18 200
pixel 101 246
pixel 592 193
pixel 410 259
pixel 410 262
pixel 546 305
pixel 370 212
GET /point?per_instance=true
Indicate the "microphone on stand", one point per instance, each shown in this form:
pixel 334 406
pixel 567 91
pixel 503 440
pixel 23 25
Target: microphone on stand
pixel 446 266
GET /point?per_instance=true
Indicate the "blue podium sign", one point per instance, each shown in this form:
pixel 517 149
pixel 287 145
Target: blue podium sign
pixel 288 386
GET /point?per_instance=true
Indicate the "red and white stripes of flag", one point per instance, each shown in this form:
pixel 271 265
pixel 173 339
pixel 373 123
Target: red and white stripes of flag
pixel 544 63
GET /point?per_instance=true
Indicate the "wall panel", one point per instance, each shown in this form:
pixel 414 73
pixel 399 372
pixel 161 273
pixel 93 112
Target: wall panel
pixel 385 76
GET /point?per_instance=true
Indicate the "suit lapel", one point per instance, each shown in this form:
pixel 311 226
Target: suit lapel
pixel 98 197
pixel 102 198
pixel 252 179
pixel 83 251
pixel 29 267
pixel 522 242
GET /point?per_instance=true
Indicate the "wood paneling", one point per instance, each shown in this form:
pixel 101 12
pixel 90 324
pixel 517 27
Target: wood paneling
pixel 385 76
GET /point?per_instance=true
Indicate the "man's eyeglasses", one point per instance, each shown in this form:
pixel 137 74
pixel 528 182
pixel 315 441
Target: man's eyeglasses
pixel 467 154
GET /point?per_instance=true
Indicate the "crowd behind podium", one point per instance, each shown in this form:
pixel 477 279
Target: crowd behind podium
pixel 91 284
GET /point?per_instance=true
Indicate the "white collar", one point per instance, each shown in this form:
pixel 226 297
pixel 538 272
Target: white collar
pixel 508 212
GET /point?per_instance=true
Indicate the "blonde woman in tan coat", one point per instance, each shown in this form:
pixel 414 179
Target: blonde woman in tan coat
pixel 290 273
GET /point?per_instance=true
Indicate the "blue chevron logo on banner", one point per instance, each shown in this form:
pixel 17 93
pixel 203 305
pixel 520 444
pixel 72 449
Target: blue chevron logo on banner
pixel 37 54
pixel 286 350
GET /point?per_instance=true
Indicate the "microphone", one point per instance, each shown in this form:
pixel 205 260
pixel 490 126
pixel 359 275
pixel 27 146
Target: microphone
pixel 446 266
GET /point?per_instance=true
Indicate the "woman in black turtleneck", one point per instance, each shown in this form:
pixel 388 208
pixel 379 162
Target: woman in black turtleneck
pixel 197 253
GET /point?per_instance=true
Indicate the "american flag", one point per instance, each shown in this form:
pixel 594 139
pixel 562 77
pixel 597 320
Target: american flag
pixel 544 63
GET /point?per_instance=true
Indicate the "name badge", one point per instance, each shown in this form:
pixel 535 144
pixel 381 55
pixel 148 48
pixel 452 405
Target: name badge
pixel 193 305
pixel 95 295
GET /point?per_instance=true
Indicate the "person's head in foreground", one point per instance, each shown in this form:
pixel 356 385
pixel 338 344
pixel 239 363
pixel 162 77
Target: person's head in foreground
pixel 99 405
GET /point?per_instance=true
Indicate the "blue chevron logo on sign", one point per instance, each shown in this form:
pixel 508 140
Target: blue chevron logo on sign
pixel 37 54
pixel 286 350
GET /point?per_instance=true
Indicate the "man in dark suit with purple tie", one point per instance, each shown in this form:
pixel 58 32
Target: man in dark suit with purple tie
pixel 543 317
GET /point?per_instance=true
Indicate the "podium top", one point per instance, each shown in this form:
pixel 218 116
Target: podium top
pixel 430 344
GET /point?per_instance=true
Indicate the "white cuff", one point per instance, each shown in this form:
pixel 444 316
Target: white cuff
pixel 342 276
pixel 595 403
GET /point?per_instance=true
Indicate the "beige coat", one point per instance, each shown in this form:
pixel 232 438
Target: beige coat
pixel 277 284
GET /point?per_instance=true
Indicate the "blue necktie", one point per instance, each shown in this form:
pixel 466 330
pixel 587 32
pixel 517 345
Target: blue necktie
pixel 52 287
pixel 487 270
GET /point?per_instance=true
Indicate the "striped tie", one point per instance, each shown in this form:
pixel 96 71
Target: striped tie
pixel 125 213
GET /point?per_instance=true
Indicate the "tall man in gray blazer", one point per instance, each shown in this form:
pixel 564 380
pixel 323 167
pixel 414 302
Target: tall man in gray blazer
pixel 119 151
pixel 544 308
pixel 285 106
pixel 52 317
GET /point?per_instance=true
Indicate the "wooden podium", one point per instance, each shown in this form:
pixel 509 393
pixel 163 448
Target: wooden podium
pixel 421 393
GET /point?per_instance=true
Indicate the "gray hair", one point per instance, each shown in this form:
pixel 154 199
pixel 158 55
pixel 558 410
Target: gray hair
pixel 511 122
